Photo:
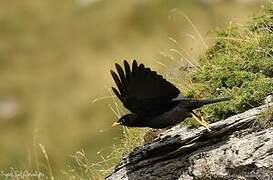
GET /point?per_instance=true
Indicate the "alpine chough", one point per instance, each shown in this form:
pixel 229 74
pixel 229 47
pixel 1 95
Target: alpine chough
pixel 152 100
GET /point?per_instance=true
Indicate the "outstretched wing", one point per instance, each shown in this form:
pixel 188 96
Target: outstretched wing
pixel 142 90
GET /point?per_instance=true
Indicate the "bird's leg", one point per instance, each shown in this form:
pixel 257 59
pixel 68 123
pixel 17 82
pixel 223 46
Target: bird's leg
pixel 200 120
pixel 200 116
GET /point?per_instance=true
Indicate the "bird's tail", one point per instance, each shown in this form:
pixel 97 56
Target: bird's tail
pixel 196 103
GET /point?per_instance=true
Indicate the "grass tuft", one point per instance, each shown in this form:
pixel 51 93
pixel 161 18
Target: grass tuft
pixel 88 169
pixel 265 120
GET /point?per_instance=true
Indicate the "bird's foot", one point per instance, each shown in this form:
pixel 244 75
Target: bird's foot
pixel 201 120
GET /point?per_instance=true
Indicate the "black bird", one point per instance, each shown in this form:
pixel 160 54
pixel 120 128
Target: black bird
pixel 153 101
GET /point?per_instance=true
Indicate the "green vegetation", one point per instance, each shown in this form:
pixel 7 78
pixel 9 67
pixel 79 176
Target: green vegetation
pixel 239 65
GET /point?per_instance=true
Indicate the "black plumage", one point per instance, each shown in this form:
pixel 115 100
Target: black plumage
pixel 153 101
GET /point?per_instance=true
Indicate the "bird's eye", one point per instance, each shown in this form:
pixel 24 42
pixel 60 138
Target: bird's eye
pixel 123 120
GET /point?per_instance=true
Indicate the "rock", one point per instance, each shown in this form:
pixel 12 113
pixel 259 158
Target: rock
pixel 235 148
pixel 268 99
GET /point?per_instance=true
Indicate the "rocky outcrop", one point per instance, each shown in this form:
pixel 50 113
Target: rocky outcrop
pixel 235 148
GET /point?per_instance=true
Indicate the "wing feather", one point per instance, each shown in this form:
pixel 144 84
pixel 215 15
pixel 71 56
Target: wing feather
pixel 120 73
pixel 134 68
pixel 117 81
pixel 142 90
pixel 127 70
pixel 117 93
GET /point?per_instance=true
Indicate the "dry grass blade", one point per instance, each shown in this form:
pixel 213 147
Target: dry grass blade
pixel 47 161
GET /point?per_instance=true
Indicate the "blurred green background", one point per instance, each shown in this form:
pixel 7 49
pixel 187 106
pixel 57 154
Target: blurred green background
pixel 55 58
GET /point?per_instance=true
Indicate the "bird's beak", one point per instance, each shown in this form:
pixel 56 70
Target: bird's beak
pixel 115 124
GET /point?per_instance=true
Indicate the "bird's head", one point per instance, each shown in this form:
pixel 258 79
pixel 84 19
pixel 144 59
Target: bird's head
pixel 126 120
